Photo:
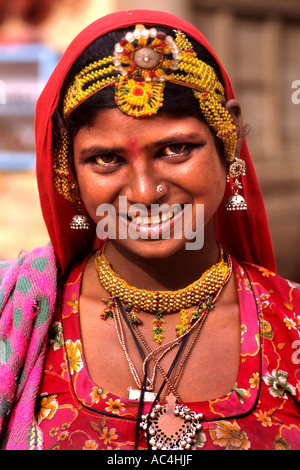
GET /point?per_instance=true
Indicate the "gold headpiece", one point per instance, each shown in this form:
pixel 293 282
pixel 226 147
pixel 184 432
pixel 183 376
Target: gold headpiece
pixel 143 61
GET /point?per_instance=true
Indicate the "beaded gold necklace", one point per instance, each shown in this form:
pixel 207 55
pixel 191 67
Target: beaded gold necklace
pixel 161 301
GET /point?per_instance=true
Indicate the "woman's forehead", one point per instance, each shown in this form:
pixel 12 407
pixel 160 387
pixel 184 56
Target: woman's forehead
pixel 112 128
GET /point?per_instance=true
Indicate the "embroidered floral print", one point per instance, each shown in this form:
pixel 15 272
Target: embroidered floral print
pixel 230 436
pixel 261 411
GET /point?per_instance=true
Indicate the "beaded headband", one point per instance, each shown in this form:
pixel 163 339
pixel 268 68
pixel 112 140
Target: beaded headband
pixel 142 62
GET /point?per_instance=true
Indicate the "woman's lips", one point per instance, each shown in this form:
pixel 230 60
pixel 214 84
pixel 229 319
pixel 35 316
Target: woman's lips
pixel 154 226
pixel 155 219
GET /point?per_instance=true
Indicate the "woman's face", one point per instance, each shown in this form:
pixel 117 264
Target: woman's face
pixel 121 161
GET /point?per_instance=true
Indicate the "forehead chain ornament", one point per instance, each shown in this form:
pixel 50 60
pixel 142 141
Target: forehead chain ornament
pixel 141 64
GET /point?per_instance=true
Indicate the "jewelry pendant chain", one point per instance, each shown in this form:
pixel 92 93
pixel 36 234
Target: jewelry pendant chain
pixel 161 426
pixel 121 338
pixel 167 347
pixel 164 349
pixel 199 317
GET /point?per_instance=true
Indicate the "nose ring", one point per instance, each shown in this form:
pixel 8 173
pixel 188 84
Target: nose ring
pixel 160 188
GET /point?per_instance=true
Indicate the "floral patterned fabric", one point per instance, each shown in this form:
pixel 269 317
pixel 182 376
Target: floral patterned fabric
pixel 261 412
pixel 27 301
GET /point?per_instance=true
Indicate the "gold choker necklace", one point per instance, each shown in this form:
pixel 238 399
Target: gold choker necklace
pixel 162 301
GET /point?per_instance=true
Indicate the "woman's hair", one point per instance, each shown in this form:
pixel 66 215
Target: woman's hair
pixel 178 101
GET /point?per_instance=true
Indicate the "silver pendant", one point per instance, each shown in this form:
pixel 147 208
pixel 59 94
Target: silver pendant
pixel 236 202
pixel 136 395
pixel 79 222
pixel 171 426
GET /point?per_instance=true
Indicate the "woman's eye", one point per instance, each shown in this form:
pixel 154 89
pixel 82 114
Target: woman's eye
pixel 176 149
pixel 107 159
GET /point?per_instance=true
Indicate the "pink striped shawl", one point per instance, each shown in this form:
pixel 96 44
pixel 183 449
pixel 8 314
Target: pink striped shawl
pixel 27 301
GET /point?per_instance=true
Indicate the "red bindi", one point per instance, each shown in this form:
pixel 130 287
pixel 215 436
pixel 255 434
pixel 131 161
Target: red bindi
pixel 133 151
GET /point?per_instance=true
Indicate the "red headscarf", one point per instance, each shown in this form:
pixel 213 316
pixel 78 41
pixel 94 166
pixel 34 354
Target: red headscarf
pixel 244 233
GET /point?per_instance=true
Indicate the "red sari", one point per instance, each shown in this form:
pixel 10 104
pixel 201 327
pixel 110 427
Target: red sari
pixel 261 411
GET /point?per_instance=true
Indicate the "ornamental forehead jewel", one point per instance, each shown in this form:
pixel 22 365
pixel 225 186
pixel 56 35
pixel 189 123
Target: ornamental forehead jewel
pixel 141 64
pixel 144 59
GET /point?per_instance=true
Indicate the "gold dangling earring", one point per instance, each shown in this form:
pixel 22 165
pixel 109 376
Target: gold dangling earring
pixel 65 183
pixel 235 170
pixel 79 221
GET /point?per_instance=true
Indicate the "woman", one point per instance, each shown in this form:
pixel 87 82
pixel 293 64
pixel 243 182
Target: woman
pixel 136 131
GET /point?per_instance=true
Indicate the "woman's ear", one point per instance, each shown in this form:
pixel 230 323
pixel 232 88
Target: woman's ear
pixel 234 108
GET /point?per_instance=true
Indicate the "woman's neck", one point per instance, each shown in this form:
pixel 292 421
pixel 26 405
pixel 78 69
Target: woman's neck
pixel 172 273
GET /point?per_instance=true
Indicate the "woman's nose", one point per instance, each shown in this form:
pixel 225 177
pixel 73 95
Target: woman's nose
pixel 144 186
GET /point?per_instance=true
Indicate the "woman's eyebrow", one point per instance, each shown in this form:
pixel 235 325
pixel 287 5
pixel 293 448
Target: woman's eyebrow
pixel 179 137
pixel 98 149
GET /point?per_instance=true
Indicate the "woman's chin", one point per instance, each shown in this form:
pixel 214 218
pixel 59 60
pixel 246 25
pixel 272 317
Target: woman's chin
pixel 151 249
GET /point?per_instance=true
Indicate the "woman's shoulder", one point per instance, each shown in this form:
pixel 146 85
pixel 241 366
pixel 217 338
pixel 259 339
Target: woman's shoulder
pixel 30 269
pixel 285 292
pixel 40 257
pixel 267 276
